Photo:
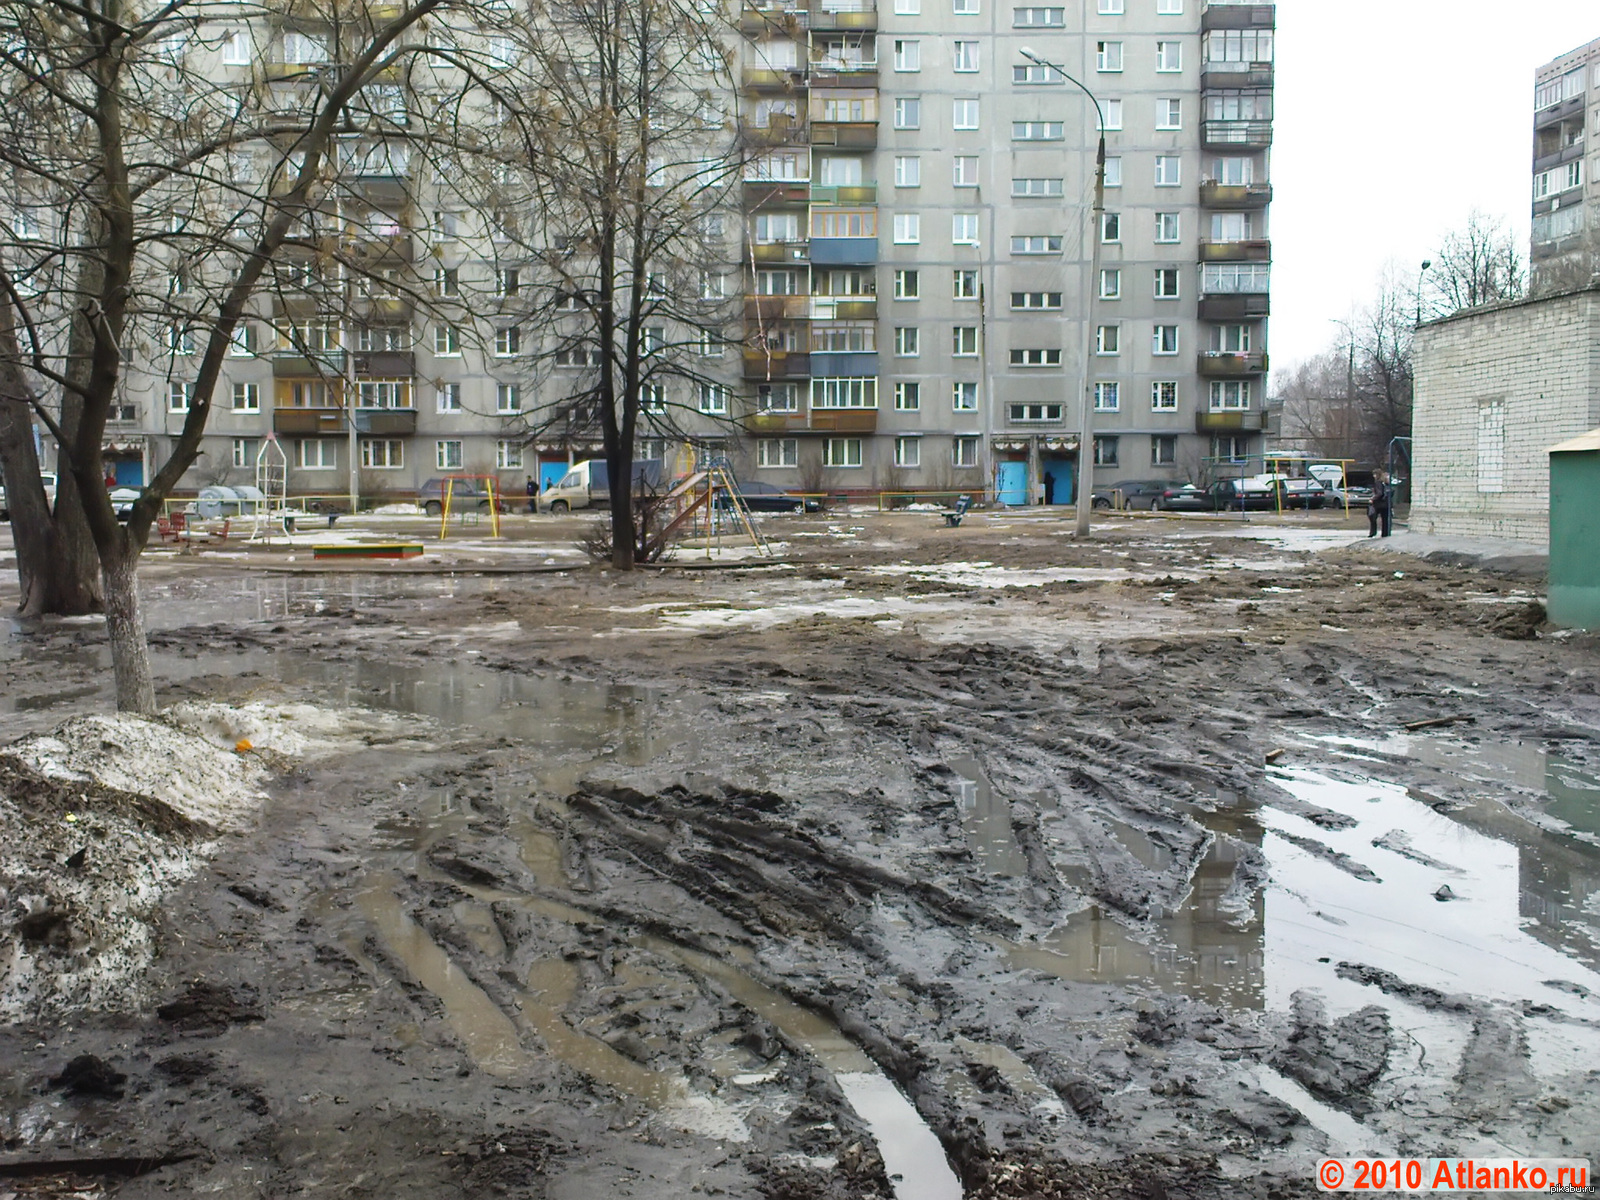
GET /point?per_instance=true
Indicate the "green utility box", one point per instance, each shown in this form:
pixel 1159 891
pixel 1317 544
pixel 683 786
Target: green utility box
pixel 1575 532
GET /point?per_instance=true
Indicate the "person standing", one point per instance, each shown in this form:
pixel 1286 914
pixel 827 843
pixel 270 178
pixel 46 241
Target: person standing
pixel 533 495
pixel 1379 507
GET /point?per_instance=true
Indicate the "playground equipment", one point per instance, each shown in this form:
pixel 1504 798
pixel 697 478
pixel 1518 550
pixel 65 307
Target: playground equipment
pixel 491 488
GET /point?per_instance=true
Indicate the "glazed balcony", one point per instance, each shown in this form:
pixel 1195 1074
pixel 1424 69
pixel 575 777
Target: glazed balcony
pixel 783 20
pixel 844 16
pixel 1236 135
pixel 1222 364
pixel 1229 421
pixel 1222 15
pixel 1255 250
pixel 1234 196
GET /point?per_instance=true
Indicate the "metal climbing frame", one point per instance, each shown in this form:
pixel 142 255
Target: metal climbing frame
pixel 272 484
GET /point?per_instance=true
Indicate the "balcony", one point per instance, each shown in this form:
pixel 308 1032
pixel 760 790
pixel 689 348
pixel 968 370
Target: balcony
pixel 845 193
pixel 1235 75
pixel 777 308
pixel 1549 161
pixel 1232 421
pixel 1221 364
pixel 386 364
pixel 374 249
pixel 1235 135
pixel 774 193
pixel 763 80
pixel 308 422
pixel 386 422
pixel 386 308
pixel 755 20
pixel 844 73
pixel 781 130
pixel 844 251
pixel 849 364
pixel 1557 113
pixel 1222 15
pixel 291 364
pixel 1236 306
pixel 762 367
pixel 1235 195
pixel 1258 250
pixel 850 16
pixel 844 420
pixel 844 308
pixel 770 423
pixel 798 251
pixel 846 135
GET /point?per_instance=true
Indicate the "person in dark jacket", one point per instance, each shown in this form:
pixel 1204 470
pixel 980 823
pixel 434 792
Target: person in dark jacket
pixel 533 495
pixel 1380 509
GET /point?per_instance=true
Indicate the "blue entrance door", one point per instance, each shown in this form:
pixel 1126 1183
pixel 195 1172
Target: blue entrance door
pixel 1013 483
pixel 551 473
pixel 1057 473
pixel 130 472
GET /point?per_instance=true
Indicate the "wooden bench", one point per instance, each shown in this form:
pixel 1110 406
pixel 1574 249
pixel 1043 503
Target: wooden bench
pixel 170 528
pixel 374 550
pixel 210 535
pixel 953 517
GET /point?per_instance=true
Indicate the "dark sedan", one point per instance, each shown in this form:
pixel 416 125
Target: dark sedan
pixel 1131 493
pixel 769 497
pixel 1182 497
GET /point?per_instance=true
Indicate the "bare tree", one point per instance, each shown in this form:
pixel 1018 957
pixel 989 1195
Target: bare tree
pixel 622 142
pixel 160 160
pixel 1482 263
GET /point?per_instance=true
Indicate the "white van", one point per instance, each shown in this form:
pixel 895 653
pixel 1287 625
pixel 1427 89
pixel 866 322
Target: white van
pixel 588 485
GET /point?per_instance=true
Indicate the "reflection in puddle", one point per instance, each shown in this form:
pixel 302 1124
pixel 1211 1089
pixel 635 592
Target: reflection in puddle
pixel 912 1155
pixel 987 820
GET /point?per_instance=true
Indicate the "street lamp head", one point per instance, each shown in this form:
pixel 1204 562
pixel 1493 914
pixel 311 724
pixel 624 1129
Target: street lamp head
pixel 1426 263
pixel 1027 52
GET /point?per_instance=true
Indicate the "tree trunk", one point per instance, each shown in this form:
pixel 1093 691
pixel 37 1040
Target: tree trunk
pixel 623 534
pixel 130 653
pixel 57 569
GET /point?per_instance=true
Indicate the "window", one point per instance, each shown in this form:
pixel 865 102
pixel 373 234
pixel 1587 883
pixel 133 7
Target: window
pixel 777 283
pixel 964 396
pixel 1034 73
pixel 1114 171
pixel 1024 301
pixel 844 393
pixel 965 8
pixel 1169 170
pixel 1163 449
pixel 1233 171
pixel 1169 113
pixel 964 229
pixel 448 398
pixel 966 56
pixel 1035 188
pixel 1110 284
pixel 503 50
pixel 906 285
pixel 447 455
pixel 1169 8
pixel 906 342
pixel 844 223
pixel 1036 131
pixel 1036 244
pixel 382 454
pixel 778 452
pixel 1169 56
pixel 709 344
pixel 907 112
pixel 908 452
pixel 1164 395
pixel 243 342
pixel 1105 451
pixel 1036 358
pixel 907 229
pixel 236 49
pixel 1166 227
pixel 507 398
pixel 304 48
pixel 964 451
pixel 316 454
pixel 908 8
pixel 1164 339
pixel 965 171
pixel 383 337
pixel 713 285
pixel 303 394
pixel 1491 446
pixel 1111 113
pixel 777 397
pixel 1230 448
pixel 713 399
pixel 1108 56
pixel 1231 105
pixel 507 281
pixel 1167 283
pixel 447 341
pixel 1108 339
pixel 180 340
pixel 178 397
pixel 1039 18
pixel 1235 49
pixel 965 113
pixel 907 57
pixel 1110 228
pixel 244 452
pixel 907 397
pixel 841 452
pixel 507 341
pixel 964 341
pixel 246 397
pixel 1110 8
pixel 907 171
pixel 1230 339
pixel 508 455
pixel 1226 279
pixel 1230 395
pixel 1107 396
pixel 652 398
pixel 383 393
pixel 1033 413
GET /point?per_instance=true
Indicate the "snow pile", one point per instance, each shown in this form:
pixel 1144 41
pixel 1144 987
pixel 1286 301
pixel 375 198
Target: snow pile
pixel 295 730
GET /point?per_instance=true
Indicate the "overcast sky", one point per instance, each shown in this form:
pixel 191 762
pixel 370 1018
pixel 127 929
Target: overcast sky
pixel 1395 118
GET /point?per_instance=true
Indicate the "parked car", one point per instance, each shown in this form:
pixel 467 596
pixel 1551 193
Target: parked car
pixel 1253 491
pixel 48 478
pixel 1347 497
pixel 769 497
pixel 588 485
pixel 464 494
pixel 1182 497
pixel 122 501
pixel 1296 493
pixel 1135 493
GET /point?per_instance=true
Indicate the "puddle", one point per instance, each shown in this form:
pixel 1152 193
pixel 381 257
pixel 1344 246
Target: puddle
pixel 987 821
pixel 912 1155
pixel 1345 1132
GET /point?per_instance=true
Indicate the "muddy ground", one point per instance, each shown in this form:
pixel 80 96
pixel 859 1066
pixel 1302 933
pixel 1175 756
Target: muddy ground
pixel 1117 860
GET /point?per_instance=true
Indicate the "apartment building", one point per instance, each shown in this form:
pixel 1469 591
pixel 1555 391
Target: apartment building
pixel 1566 230
pixel 913 259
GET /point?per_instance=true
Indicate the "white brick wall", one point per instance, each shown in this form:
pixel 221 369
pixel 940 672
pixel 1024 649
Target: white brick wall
pixel 1542 358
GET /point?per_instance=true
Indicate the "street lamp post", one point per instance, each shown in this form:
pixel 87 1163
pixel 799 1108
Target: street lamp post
pixel 1421 275
pixel 1092 281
